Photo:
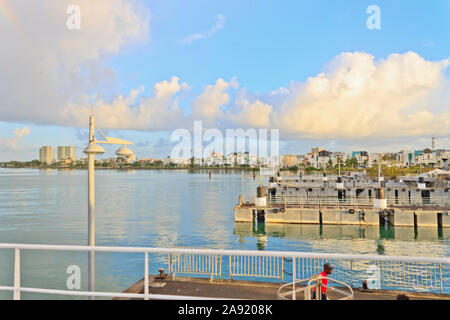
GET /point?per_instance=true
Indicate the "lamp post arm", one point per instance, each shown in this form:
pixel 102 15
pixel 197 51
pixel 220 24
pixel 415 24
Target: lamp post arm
pixel 110 140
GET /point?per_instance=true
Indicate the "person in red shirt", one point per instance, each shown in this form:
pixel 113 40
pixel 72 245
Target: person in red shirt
pixel 327 269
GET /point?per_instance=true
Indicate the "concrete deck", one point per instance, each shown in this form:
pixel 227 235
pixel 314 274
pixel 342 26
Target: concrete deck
pixel 234 289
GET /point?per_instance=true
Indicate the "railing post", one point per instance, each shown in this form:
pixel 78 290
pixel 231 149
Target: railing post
pixel 146 282
pixel 17 274
pixel 294 294
pixel 378 270
pixel 351 272
pixel 440 277
pixel 229 268
pixel 220 267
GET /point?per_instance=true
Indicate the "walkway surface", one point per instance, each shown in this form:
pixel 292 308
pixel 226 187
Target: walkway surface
pixel 234 289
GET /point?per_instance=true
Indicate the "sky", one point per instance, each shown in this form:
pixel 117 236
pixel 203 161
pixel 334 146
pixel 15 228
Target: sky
pixel 312 69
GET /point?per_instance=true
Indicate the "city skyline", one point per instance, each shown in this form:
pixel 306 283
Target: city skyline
pixel 76 152
pixel 230 65
pixel 318 157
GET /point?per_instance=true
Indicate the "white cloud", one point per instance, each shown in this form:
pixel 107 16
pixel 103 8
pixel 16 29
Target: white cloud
pixel 134 111
pixel 208 105
pixel 47 65
pixel 250 114
pixel 358 97
pixel 50 75
pixel 13 144
pixel 219 24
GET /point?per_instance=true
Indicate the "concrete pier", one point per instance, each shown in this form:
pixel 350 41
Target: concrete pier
pixel 346 215
pixel 235 289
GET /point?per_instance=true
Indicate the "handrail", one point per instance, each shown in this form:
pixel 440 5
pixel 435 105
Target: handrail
pixel 307 288
pixel 17 288
pixel 108 294
pixel 335 256
pixel 354 200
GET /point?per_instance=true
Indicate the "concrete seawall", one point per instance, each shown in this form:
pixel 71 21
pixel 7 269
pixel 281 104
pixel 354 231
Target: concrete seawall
pixel 404 217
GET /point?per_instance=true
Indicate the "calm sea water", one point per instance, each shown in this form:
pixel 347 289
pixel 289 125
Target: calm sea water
pixel 160 209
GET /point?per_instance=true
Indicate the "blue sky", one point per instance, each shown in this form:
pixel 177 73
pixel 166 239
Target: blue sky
pixel 265 45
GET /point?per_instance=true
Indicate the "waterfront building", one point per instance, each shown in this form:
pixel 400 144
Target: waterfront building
pixel 66 154
pixel 46 155
pixel 323 159
pixel 427 157
pixel 146 161
pixel 443 158
pixel 375 158
pixel 288 161
pixel 362 157
pixel 339 157
pixel 405 157
pixel 311 160
pixel 177 161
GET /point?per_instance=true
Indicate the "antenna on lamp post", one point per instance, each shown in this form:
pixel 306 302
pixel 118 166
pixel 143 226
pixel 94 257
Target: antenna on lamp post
pixel 92 150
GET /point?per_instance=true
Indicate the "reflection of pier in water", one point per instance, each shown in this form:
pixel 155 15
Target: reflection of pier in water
pixel 264 232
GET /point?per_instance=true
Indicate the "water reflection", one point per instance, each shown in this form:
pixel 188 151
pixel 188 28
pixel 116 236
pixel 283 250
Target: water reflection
pixel 357 239
pixel 160 208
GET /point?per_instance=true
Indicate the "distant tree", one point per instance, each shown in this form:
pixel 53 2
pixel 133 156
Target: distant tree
pixel 136 164
pixel 158 163
pixel 330 163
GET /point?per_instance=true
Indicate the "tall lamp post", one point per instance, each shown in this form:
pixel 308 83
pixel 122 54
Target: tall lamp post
pixel 92 150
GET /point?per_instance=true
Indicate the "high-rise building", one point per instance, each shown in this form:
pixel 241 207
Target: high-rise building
pixel 316 150
pixel 46 155
pixel 66 153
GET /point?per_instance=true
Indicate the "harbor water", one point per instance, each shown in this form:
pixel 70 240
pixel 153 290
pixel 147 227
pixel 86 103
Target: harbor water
pixel 160 208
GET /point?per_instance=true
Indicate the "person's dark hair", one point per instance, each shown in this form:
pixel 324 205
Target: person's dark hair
pixel 364 285
pixel 402 297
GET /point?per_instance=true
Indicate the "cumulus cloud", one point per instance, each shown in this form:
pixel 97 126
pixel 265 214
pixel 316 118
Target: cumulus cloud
pixel 219 24
pixel 51 75
pixel 358 97
pixel 208 105
pixel 46 65
pixel 13 144
pixel 250 113
pixel 135 111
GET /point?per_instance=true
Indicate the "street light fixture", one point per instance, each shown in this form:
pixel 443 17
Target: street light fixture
pixel 92 150
pixel 124 152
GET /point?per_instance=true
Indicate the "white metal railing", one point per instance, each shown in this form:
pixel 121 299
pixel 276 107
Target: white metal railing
pixel 418 275
pixel 200 264
pixel 354 201
pixel 256 266
pixel 411 273
pixel 318 201
pixel 293 289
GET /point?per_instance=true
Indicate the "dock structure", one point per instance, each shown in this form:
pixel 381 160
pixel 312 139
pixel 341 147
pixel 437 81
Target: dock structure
pixel 341 202
pixel 253 290
pixel 246 273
